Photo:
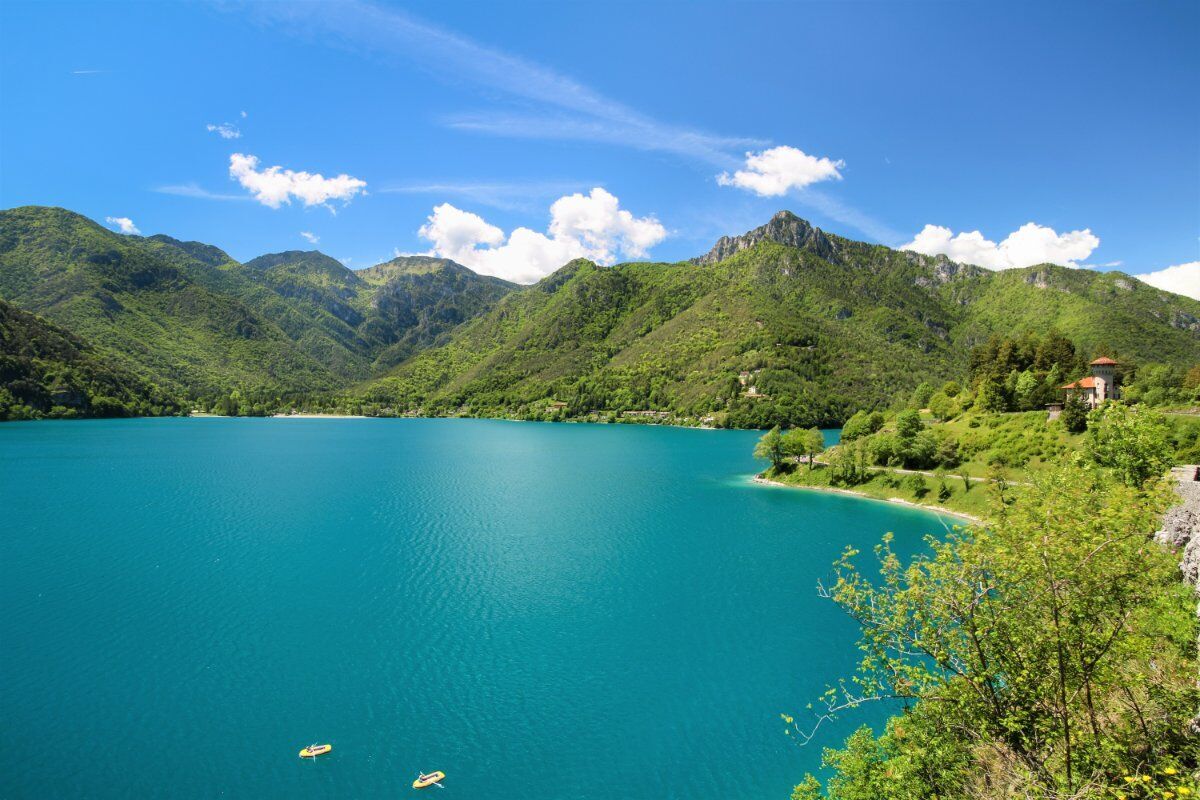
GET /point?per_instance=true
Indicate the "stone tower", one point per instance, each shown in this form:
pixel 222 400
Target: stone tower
pixel 1104 380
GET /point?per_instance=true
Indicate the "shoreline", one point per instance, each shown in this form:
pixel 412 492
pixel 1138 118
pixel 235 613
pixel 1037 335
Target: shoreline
pixel 323 415
pixel 206 415
pixel 318 416
pixel 863 496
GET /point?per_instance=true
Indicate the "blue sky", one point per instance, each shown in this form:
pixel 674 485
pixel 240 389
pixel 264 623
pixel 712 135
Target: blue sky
pixel 515 136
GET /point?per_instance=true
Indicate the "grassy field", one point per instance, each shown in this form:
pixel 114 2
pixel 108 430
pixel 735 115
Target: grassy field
pixel 996 451
pixel 977 501
pixel 1022 444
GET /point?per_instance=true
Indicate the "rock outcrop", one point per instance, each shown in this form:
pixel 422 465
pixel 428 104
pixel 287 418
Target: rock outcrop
pixel 785 228
pixel 1181 524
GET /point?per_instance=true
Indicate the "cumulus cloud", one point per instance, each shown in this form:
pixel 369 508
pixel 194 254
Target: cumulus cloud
pixel 124 224
pixel 1028 245
pixel 592 226
pixel 1181 279
pixel 778 170
pixel 274 186
pixel 225 130
pixel 310 236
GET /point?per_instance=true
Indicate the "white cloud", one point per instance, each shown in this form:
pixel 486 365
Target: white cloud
pixel 1181 279
pixel 124 224
pixel 310 236
pixel 243 115
pixel 274 186
pixel 346 261
pixel 1028 245
pixel 590 226
pixel 774 172
pixel 225 130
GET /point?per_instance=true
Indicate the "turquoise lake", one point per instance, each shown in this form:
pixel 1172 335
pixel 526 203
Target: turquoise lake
pixel 539 610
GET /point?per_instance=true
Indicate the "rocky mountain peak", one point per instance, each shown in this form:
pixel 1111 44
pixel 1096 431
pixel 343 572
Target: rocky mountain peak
pixel 784 228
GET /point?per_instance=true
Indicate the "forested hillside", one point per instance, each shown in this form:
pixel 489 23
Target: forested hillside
pixel 189 316
pixel 46 371
pixel 171 317
pixel 784 325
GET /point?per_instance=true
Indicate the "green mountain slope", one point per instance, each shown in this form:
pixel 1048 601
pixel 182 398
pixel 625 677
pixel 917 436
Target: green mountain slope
pixel 357 323
pixel 319 304
pixel 417 300
pixel 169 316
pixel 189 316
pixel 1108 312
pixel 47 371
pixel 784 324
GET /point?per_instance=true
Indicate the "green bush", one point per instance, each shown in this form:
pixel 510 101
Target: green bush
pixel 916 484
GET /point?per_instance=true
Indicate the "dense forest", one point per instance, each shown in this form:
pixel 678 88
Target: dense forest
pixel 46 372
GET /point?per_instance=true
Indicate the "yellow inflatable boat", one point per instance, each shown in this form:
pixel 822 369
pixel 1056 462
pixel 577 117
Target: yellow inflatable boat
pixel 424 780
pixel 314 750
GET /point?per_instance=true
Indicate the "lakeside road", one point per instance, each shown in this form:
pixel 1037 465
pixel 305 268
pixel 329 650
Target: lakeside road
pixel 897 500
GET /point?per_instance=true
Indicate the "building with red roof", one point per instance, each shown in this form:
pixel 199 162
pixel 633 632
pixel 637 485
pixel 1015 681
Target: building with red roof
pixel 1101 385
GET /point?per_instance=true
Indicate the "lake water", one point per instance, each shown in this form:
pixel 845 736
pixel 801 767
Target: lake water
pixel 539 610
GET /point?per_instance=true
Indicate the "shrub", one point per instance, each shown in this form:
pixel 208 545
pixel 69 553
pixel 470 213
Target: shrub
pixel 916 484
pixel 862 424
pixel 1131 440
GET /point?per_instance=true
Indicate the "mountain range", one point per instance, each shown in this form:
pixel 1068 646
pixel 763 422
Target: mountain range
pixel 785 323
pixel 189 317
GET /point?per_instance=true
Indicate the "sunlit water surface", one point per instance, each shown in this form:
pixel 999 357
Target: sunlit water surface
pixel 540 611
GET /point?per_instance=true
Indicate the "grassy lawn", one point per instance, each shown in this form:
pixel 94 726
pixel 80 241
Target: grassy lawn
pixel 1023 443
pixel 1017 446
pixel 976 502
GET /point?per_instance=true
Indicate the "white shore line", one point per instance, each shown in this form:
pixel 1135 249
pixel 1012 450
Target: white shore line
pixel 206 415
pixel 898 500
pixel 319 416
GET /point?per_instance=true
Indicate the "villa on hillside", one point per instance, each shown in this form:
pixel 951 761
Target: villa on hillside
pixel 1101 385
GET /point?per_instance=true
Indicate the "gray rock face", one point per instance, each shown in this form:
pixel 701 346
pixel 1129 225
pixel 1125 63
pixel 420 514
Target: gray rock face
pixel 1181 525
pixel 785 228
pixel 1185 321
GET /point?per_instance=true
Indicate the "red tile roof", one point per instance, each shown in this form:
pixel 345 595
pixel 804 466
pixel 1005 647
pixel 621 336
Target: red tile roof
pixel 1083 383
pixel 1103 361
